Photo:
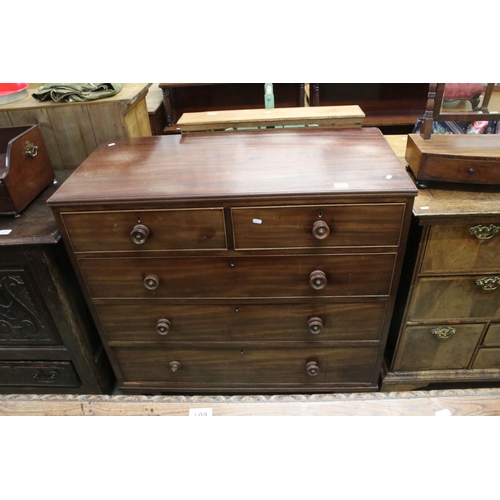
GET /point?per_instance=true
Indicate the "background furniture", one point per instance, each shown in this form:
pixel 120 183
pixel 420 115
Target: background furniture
pixel 71 131
pixel 447 318
pixel 393 107
pixel 182 98
pixel 48 340
pixel 247 262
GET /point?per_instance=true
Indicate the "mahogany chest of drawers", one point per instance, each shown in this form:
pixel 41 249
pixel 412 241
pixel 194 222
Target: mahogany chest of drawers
pixel 251 262
pixel 447 330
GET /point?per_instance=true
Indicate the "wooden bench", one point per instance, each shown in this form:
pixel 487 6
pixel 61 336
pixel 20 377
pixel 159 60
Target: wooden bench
pixel 320 116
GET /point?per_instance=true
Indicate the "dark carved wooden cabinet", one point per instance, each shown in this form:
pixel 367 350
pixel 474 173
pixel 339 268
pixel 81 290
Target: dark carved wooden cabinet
pixel 449 324
pixel 238 263
pixel 48 341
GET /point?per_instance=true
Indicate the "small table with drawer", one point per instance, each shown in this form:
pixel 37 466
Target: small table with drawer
pixel 253 262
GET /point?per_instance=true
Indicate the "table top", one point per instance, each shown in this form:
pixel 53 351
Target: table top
pixel 219 166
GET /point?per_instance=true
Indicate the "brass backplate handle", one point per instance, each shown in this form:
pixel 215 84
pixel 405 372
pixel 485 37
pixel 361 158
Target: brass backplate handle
pixel 30 149
pixel 488 283
pixel 444 332
pixel 484 232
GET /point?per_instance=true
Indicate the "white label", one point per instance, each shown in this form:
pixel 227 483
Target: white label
pixel 4 232
pixel 257 221
pixel 112 144
pixel 211 113
pixel 200 412
pixel 424 208
pixel 388 176
pixel 340 185
pixel 443 413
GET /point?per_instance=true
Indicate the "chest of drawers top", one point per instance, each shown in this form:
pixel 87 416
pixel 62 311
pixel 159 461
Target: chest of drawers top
pixel 279 164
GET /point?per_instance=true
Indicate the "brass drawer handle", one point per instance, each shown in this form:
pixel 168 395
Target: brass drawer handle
pixel 174 366
pixel 484 232
pixel 488 283
pixel 315 325
pixel 444 332
pixel 312 368
pixel 317 280
pixel 163 326
pixel 320 230
pixel 151 282
pixel 139 234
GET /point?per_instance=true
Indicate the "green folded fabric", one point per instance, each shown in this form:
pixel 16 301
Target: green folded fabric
pixel 76 92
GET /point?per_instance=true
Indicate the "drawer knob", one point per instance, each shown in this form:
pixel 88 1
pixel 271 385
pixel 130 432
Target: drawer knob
pixel 151 282
pixel 163 326
pixel 315 325
pixel 51 377
pixel 484 232
pixel 139 234
pixel 312 368
pixel 320 230
pixel 444 332
pixel 174 366
pixel 488 283
pixel 318 280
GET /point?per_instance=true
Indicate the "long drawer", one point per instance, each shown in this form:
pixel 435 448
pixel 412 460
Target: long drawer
pixel 466 248
pixel 290 276
pixel 38 373
pixel 244 364
pixel 318 226
pixel 146 230
pixel 242 322
pixel 458 297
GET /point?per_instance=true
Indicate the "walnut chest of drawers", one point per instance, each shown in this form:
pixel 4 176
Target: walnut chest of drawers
pixel 250 262
pixel 447 328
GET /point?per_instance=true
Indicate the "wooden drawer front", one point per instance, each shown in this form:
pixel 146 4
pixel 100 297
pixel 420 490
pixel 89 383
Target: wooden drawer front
pixel 294 227
pixel 453 298
pixel 346 275
pixel 421 349
pixel 279 322
pixel 243 364
pixel 38 374
pixel 492 338
pixel 455 249
pixel 196 229
pixel 487 358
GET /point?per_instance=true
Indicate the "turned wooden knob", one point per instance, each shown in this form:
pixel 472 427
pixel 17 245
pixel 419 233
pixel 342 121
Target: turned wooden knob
pixel 312 368
pixel 139 234
pixel 163 326
pixel 318 280
pixel 320 230
pixel 174 366
pixel 151 282
pixel 315 325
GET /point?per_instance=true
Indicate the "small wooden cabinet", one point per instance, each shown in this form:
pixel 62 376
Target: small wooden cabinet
pixel 448 328
pixel 251 262
pixel 48 341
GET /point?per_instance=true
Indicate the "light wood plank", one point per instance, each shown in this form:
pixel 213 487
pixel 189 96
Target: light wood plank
pixel 460 402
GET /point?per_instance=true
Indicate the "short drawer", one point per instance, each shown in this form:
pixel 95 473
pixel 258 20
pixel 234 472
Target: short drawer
pixel 487 358
pixel 492 337
pixel 318 226
pixel 193 277
pixel 437 347
pixel 144 230
pixel 458 297
pixel 466 248
pixel 242 322
pixel 38 374
pixel 244 364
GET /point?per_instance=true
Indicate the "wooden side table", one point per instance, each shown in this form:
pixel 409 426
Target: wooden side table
pixel 48 340
pixel 71 131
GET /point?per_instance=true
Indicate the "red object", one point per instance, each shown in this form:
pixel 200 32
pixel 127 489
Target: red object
pixel 462 90
pixel 12 88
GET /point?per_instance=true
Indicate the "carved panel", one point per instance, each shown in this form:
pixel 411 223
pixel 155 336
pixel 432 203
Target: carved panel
pixel 20 322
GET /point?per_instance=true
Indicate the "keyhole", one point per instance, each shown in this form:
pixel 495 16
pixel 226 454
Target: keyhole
pixel 320 214
pixel 241 352
pixel 231 263
pixel 139 220
pixel 237 309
